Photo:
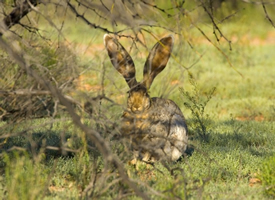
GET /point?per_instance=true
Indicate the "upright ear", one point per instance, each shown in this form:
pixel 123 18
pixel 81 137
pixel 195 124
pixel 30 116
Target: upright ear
pixel 157 59
pixel 120 59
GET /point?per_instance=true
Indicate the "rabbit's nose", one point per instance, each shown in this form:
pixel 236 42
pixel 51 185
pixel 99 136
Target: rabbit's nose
pixel 136 108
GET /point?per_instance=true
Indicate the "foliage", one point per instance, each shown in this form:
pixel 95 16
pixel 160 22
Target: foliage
pixel 24 178
pixel 267 176
pixel 197 102
pixel 21 94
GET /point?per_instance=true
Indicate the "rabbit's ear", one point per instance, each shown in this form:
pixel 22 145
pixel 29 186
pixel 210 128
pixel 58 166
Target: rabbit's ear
pixel 157 59
pixel 121 60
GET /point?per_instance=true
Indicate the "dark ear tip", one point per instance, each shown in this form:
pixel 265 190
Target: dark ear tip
pixel 169 39
pixel 172 38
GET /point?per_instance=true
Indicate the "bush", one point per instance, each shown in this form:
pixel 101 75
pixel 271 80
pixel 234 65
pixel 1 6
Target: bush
pixel 196 103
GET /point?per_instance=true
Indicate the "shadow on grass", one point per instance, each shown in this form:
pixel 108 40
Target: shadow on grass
pixel 253 136
pixel 48 142
pixel 52 144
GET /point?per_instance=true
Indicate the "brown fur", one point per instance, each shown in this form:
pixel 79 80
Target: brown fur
pixel 155 127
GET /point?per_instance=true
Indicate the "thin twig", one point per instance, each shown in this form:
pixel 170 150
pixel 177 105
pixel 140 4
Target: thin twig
pixel 81 16
pixel 156 7
pixel 267 16
pixel 102 145
pixel 18 13
pixel 259 2
pixel 215 26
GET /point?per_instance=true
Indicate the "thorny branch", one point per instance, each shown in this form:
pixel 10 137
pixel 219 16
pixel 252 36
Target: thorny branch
pixel 267 16
pixel 156 7
pixel 95 136
pixel 215 26
pixel 93 9
pixel 81 16
pixel 18 13
pixel 270 2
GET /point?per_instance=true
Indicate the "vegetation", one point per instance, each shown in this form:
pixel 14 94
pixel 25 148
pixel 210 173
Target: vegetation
pixel 267 176
pixel 55 148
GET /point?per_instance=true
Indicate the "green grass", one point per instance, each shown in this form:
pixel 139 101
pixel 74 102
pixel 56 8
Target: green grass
pixel 218 169
pixel 237 149
pixel 267 176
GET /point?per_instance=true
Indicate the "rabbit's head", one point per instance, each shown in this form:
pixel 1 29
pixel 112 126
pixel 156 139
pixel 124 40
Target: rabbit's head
pixel 138 99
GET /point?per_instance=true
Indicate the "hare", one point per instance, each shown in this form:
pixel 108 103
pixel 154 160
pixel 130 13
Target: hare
pixel 155 126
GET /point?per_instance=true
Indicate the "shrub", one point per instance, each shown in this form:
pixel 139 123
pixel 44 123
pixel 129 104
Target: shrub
pixel 196 103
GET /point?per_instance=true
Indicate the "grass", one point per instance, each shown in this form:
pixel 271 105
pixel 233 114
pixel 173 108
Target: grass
pixel 239 142
pixel 218 169
pixel 266 175
pixel 240 125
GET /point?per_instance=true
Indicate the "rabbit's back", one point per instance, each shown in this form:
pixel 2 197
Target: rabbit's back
pixel 171 125
pixel 160 130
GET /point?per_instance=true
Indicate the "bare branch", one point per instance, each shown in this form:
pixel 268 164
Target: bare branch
pixel 259 2
pixel 156 7
pixel 24 92
pixel 18 13
pixel 101 144
pixel 215 26
pixel 267 16
pixel 81 16
pixel 94 10
pixel 219 50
